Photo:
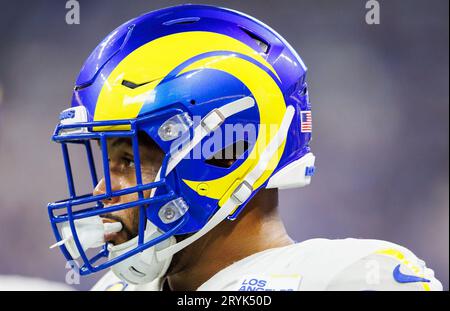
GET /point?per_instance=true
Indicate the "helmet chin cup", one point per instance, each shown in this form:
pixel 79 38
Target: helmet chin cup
pixel 143 267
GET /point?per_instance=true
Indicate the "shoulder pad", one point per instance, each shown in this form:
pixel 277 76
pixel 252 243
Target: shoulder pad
pixel 388 267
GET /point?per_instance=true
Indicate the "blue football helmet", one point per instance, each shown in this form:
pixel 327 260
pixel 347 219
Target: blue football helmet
pixel 182 75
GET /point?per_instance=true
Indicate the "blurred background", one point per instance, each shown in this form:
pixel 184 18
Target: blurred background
pixel 380 100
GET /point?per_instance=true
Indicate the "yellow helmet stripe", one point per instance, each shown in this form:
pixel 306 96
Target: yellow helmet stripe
pixel 271 106
pixel 154 61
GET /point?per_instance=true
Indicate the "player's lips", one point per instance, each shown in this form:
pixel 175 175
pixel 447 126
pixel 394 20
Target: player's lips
pixel 111 237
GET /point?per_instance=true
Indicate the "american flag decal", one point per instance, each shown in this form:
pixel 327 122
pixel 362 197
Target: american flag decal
pixel 306 122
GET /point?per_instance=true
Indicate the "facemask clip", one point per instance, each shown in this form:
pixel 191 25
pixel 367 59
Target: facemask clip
pixel 173 210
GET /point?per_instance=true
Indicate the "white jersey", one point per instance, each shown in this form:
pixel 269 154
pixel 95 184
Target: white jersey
pixel 25 283
pixel 317 264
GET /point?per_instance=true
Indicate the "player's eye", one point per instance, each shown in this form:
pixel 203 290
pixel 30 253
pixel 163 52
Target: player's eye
pixel 127 161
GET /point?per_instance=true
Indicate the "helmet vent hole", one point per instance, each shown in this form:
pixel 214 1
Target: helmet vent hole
pixel 132 85
pixel 226 157
pixel 82 86
pixel 304 91
pixel 263 44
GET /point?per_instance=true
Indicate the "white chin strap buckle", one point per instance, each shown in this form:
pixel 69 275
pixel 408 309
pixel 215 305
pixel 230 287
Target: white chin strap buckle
pixel 212 120
pixel 242 192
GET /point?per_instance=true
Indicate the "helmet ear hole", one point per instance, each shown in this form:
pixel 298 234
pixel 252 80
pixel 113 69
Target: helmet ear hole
pixel 226 157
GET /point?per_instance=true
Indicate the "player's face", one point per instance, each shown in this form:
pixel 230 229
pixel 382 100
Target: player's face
pixel 122 170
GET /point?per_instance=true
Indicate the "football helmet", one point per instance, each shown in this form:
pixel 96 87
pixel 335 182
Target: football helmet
pixel 182 75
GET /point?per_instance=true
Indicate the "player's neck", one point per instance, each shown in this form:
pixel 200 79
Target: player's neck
pixel 257 229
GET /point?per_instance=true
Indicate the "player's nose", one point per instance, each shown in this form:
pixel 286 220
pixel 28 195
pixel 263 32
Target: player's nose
pixel 101 189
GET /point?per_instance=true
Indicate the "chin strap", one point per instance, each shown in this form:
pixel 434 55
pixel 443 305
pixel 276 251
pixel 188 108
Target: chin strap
pixel 242 192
